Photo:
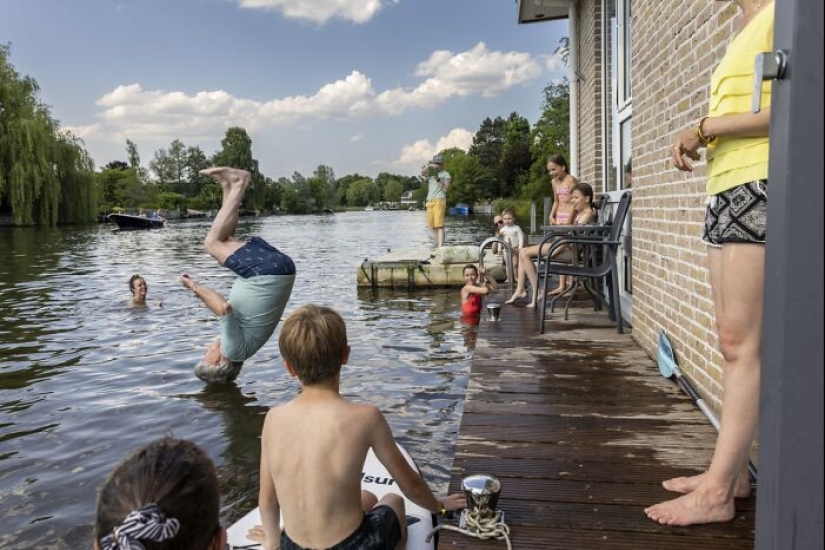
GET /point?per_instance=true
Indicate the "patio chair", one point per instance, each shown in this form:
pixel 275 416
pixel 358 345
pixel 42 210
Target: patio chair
pixel 604 210
pixel 595 250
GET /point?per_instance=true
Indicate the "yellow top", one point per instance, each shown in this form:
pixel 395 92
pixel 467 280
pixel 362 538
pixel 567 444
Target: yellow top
pixel 732 161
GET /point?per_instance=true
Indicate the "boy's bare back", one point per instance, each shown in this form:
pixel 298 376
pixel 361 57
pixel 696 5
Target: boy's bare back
pixel 314 449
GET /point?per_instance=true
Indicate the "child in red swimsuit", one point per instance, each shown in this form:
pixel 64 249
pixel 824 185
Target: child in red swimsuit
pixel 475 286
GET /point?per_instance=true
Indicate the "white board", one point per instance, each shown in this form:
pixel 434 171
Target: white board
pixel 376 480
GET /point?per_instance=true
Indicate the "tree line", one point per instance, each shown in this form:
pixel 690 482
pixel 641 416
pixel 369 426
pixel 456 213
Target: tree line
pixel 47 177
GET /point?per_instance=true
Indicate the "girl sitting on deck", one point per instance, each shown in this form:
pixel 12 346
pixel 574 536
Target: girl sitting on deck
pixel 584 213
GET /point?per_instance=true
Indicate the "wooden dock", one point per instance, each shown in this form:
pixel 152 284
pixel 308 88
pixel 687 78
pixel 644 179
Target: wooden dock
pixel 580 428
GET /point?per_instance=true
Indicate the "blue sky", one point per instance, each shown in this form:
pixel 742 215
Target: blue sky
pixel 360 85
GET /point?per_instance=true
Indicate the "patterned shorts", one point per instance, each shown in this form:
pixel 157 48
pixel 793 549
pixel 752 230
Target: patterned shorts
pixel 258 257
pixel 380 530
pixel 737 215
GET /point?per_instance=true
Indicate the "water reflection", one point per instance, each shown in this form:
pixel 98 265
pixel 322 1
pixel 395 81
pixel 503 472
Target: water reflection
pixel 85 379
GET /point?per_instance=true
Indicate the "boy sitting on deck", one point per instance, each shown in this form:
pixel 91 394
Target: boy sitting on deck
pixel 314 447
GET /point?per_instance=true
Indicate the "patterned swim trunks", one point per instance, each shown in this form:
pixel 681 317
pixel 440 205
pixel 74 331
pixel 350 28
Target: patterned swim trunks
pixel 380 530
pixel 258 257
pixel 737 215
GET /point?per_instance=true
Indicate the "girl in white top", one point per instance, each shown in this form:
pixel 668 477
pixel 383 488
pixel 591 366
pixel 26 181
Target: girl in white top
pixel 512 234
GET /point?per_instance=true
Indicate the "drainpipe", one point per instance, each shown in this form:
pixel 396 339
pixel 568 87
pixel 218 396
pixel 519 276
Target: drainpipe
pixel 573 44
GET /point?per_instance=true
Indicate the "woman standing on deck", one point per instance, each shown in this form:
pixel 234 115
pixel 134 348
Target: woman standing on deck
pixel 737 177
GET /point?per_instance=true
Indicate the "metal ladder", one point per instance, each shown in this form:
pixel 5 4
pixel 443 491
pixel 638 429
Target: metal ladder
pixel 488 243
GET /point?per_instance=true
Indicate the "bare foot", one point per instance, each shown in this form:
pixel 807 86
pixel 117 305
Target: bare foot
pixel 557 291
pixel 699 506
pixel 691 483
pixel 228 177
pixel 517 295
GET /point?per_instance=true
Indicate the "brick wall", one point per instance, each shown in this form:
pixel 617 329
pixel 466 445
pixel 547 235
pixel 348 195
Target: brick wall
pixel 590 94
pixel 674 52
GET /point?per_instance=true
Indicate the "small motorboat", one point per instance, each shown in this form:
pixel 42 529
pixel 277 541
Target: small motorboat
pixel 127 222
pixel 460 209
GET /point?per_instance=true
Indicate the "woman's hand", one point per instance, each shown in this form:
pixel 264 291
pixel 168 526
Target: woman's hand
pixel 686 144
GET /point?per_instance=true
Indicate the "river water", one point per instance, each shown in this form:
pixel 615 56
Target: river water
pixel 85 379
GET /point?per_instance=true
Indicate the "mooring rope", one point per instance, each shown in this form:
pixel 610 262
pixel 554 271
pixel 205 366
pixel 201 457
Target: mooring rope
pixel 484 528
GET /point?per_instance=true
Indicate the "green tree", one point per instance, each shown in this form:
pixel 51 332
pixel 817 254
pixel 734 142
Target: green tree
pixel 195 162
pixel 236 150
pixel 342 187
pixel 472 182
pixel 134 161
pixel 551 133
pixel 163 167
pixel 36 159
pixel 516 157
pixel 171 201
pixel 363 192
pixel 393 190
pixel 488 145
pixel 322 184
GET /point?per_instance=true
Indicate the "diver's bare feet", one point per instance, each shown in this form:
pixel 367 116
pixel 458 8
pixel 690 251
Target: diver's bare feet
pixel 228 177
pixel 517 295
pixel 700 506
pixel 691 483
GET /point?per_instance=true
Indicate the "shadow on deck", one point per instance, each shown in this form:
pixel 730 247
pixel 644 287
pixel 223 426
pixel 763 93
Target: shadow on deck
pixel 581 429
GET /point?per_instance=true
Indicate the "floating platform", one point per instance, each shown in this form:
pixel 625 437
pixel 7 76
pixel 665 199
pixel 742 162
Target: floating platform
pixel 423 268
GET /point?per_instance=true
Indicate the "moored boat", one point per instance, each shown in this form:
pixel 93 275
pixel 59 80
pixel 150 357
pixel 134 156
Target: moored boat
pixel 460 209
pixel 127 222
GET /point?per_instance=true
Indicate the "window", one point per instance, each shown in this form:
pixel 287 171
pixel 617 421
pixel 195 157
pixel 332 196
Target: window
pixel 617 118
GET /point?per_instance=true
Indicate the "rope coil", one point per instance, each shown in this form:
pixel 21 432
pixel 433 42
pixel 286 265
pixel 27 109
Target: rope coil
pixel 473 524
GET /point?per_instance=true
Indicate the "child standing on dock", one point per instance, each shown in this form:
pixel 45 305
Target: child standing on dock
pixel 313 449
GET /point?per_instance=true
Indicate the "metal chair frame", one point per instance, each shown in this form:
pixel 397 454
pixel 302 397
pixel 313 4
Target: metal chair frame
pixel 606 237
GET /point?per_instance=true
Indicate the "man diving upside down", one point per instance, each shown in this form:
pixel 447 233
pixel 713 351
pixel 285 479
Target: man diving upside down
pixel 259 294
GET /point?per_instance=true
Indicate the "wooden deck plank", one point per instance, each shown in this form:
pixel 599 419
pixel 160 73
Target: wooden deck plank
pixel 581 429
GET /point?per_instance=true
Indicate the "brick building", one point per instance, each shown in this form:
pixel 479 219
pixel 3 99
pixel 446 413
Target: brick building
pixel 640 71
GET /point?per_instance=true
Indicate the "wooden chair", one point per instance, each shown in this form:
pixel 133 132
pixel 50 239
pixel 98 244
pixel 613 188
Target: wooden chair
pixel 597 248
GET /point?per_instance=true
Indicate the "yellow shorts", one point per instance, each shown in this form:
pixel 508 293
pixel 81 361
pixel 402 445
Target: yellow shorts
pixel 436 209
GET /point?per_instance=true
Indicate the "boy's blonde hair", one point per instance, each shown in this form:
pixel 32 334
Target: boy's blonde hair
pixel 508 211
pixel 313 341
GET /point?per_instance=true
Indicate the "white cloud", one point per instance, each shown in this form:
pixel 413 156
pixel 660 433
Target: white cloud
pixel 129 109
pixel 356 138
pixel 414 155
pixel 478 71
pixel 89 131
pixel 319 11
pixel 155 115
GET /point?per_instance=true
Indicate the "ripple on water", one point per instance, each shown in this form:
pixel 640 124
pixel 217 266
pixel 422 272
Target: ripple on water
pixel 84 379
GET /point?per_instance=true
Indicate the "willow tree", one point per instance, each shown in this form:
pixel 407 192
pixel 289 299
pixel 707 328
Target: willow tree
pixel 36 160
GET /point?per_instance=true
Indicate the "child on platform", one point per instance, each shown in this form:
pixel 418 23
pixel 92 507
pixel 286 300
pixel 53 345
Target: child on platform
pixel 313 449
